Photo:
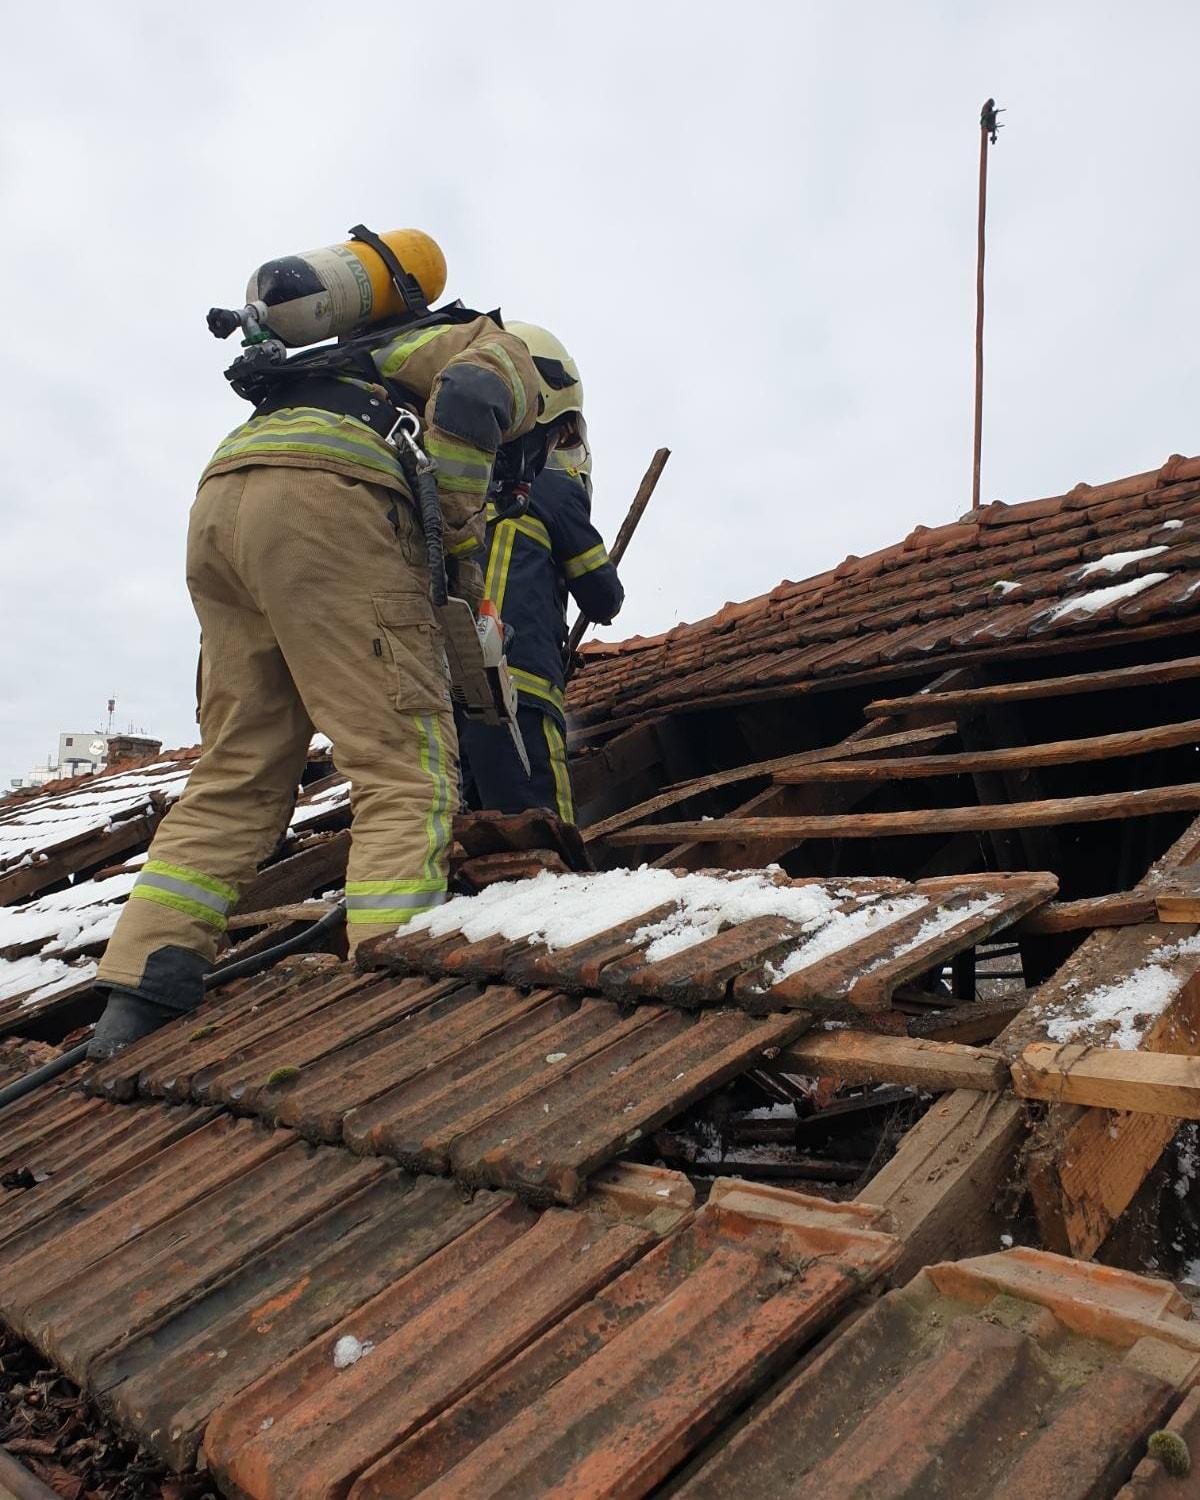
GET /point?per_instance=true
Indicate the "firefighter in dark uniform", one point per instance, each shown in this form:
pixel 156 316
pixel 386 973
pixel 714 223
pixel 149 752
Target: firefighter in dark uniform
pixel 534 560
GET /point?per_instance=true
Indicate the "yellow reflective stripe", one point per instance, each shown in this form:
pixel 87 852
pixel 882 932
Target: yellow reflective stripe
pixel 392 916
pixel 464 476
pixel 528 526
pixel 392 356
pixel 586 562
pixel 432 760
pixel 537 687
pixel 179 903
pixel 441 447
pixel 310 433
pixel 463 549
pixel 558 766
pixel 391 900
pixel 193 877
pixel 496 580
pixel 531 527
pixel 460 466
pixel 392 887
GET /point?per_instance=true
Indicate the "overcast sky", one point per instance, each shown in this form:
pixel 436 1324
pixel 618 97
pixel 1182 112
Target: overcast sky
pixel 753 224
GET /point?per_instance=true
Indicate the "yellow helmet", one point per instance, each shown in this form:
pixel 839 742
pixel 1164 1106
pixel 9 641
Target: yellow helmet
pixel 558 374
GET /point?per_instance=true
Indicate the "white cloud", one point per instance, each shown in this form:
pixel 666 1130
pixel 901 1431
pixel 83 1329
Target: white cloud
pixel 753 225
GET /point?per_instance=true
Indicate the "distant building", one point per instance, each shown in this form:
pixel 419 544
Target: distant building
pixel 82 753
pixel 85 752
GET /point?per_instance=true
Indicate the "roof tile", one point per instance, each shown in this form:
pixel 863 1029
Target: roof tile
pixel 875 609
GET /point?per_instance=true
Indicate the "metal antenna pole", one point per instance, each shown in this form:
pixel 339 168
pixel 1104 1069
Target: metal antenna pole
pixel 988 127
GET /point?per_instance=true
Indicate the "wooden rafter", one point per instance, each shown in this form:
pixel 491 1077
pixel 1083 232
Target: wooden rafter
pixel 1011 758
pixel 869 1057
pixel 931 734
pixel 1152 1083
pixel 1049 812
pixel 1149 674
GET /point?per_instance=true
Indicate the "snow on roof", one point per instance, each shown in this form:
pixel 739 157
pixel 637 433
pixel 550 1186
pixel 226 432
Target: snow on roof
pixel 35 978
pixel 41 824
pixel 1098 599
pixel 1119 1014
pixel 1115 561
pixel 319 804
pixel 561 910
pixel 66 920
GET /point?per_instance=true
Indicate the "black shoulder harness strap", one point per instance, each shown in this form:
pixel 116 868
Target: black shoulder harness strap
pixel 407 285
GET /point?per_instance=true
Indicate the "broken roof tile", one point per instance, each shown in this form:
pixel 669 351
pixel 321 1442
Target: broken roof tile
pixel 971 1381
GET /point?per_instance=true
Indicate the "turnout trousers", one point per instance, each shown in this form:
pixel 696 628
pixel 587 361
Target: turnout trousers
pixel 313 599
pixel 494 777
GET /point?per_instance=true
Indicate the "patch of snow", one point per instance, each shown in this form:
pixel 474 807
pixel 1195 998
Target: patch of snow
pixel 46 822
pixel 348 1351
pixel 59 919
pixel 1181 949
pixel 561 910
pixel 319 804
pixel 939 923
pixel 1170 526
pixel 842 929
pixel 1115 561
pixel 1098 599
pixel 99 930
pixel 1128 1006
pixel 35 978
pixel 706 904
pixel 1006 1240
pixel 1006 585
pixel 319 744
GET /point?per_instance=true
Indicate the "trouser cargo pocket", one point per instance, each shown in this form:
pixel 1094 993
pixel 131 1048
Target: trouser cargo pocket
pixel 410 645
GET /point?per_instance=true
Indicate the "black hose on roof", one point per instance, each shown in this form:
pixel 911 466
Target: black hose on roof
pixel 30 1081
pixel 240 968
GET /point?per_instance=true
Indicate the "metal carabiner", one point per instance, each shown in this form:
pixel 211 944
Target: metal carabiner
pixel 407 426
pixel 403 433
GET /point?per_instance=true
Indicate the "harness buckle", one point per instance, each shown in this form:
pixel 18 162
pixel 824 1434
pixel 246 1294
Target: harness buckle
pixel 403 435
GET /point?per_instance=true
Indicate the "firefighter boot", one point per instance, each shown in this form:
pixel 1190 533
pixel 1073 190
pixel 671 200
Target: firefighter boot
pixel 173 987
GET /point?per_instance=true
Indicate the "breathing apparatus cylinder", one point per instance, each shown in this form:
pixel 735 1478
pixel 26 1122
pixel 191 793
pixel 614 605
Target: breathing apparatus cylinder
pixel 327 292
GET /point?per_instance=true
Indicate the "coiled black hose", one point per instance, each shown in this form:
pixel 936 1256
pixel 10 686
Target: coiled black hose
pixel 240 968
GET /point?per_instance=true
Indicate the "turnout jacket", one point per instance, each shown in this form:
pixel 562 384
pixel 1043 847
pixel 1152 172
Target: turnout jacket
pixel 534 560
pixel 479 389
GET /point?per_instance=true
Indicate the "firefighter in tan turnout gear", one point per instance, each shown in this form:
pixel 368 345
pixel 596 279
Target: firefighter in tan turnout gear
pixel 306 564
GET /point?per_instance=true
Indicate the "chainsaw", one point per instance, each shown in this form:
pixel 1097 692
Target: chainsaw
pixel 480 682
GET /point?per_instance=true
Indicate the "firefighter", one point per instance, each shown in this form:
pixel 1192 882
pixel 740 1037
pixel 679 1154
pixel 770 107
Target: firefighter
pixel 534 561
pixel 307 568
